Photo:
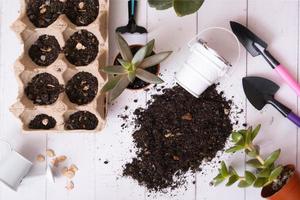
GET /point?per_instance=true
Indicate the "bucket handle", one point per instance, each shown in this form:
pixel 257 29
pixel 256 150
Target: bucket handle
pixel 196 38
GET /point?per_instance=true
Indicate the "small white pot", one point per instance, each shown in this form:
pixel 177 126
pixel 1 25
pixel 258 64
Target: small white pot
pixel 13 166
pixel 202 68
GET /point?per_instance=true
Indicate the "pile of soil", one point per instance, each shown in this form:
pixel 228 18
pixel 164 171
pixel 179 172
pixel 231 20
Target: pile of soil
pixel 42 121
pixel 82 120
pixel 175 134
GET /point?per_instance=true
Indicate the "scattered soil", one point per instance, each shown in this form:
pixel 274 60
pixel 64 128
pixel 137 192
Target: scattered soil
pixel 82 120
pixel 81 48
pixel 175 134
pixel 82 12
pixel 45 50
pixel 274 187
pixel 42 13
pixel 43 89
pixel 138 83
pixel 82 88
pixel 42 121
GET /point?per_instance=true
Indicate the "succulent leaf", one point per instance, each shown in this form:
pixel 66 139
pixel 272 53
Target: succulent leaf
pixel 250 177
pixel 260 182
pixel 131 76
pixel 124 48
pixel 272 158
pixel 243 184
pixel 248 136
pixel 115 69
pixel 150 46
pixel 264 173
pixel 139 56
pixel 224 170
pixel 218 179
pixel 234 149
pixel 160 4
pixel 125 64
pixel 155 59
pixel 254 163
pixel 184 7
pixel 236 137
pixel 275 173
pixel 232 179
pixel 255 132
pixel 111 84
pixel 148 77
pixel 119 88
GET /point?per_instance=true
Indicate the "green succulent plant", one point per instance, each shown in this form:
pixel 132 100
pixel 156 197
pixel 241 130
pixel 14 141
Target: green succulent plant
pixel 265 170
pixel 181 7
pixel 132 66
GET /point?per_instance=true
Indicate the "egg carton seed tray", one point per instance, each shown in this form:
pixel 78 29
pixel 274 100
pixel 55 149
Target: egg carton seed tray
pixel 63 108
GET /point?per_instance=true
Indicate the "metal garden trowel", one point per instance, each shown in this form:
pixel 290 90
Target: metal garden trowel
pixel 131 27
pixel 261 91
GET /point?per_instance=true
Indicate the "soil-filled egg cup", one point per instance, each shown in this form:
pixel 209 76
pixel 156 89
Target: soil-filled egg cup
pixel 56 116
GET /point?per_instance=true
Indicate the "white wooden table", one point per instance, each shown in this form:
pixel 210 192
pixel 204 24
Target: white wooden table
pixel 277 21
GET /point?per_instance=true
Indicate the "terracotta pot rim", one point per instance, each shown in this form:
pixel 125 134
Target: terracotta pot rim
pixel 291 166
pixel 158 68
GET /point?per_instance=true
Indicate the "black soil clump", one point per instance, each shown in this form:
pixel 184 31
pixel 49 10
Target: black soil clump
pixel 42 121
pixel 45 50
pixel 43 13
pixel 43 89
pixel 175 134
pixel 82 88
pixel 138 83
pixel 82 12
pixel 81 48
pixel 84 120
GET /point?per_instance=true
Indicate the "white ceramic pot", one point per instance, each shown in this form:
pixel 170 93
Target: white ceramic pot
pixel 202 68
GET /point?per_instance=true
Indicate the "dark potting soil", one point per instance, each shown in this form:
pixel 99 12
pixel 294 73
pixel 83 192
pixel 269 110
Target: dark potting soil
pixel 82 120
pixel 138 83
pixel 43 89
pixel 42 13
pixel 42 121
pixel 81 48
pixel 82 88
pixel 82 12
pixel 175 134
pixel 45 50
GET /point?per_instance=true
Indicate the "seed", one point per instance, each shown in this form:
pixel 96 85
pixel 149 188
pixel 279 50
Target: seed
pixel 64 170
pixel 46 50
pixel 79 46
pixel 69 174
pixel 61 158
pixel 176 158
pixel 43 57
pixel 70 185
pixel 40 158
pixel 73 168
pixel 187 117
pixel 85 88
pixel 81 5
pixel 54 162
pixel 226 111
pixel 169 135
pixel 45 122
pixel 50 153
pixel 43 9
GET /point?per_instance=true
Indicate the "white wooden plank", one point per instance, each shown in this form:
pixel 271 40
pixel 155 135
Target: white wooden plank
pixel 28 145
pixel 223 13
pixel 280 30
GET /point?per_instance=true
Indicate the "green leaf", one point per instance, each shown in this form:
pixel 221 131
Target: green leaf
pixel 236 137
pixel 218 179
pixel 124 48
pixel 148 77
pixel 254 163
pixel 232 179
pixel 275 173
pixel 248 136
pixel 184 7
pixel 264 173
pixel 139 56
pixel 250 177
pixel 131 76
pixel 243 184
pixel 224 170
pixel 255 132
pixel 234 149
pixel 252 153
pixel 160 4
pixel 119 88
pixel 260 182
pixel 272 158
pixel 115 69
pixel 111 84
pixel 154 60
pixel 125 64
pixel 150 46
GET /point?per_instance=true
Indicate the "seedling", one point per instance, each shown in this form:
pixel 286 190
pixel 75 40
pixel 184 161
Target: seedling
pixel 132 66
pixel 265 169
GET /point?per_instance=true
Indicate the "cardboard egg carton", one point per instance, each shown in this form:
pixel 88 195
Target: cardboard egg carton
pixel 26 69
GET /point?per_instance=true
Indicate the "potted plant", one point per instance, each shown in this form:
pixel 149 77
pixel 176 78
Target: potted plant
pixel 129 67
pixel 181 7
pixel 277 182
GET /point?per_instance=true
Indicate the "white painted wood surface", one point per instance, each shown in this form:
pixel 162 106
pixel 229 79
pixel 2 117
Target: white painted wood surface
pixel 276 21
